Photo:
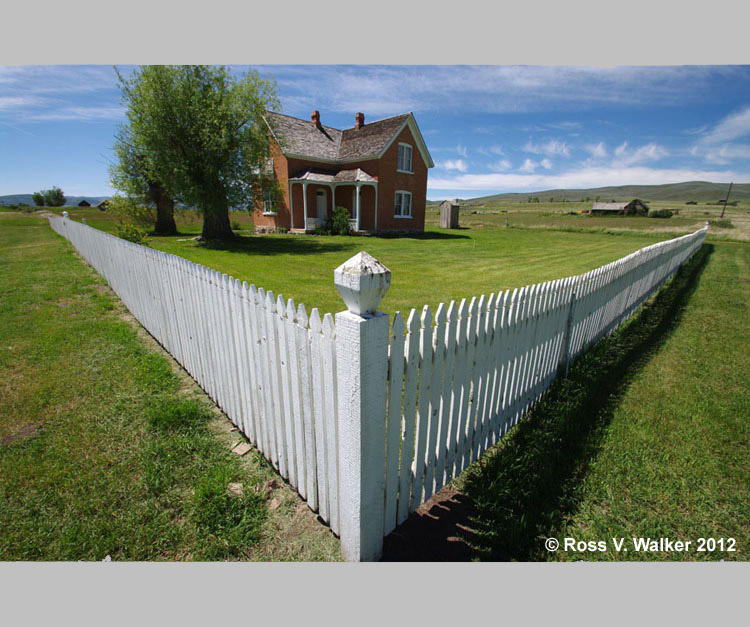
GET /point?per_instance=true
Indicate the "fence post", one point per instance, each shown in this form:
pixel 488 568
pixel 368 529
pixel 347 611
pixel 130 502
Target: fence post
pixel 361 372
pixel 565 352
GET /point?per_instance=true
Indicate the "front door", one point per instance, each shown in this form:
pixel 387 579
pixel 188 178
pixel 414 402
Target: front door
pixel 322 204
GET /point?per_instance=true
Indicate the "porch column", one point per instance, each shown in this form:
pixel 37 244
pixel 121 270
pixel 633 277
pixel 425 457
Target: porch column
pixel 291 206
pixel 358 204
pixel 304 203
pixel 375 187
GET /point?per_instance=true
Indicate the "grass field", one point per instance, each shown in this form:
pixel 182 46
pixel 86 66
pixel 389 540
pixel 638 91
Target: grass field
pixel 106 447
pixel 437 266
pixel 648 435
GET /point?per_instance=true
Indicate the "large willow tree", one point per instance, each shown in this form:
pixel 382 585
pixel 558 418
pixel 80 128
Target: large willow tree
pixel 197 132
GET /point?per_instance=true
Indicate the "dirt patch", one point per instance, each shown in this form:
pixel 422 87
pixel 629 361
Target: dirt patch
pixel 24 432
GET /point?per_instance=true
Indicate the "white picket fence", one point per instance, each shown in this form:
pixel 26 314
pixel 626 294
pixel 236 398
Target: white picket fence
pixel 459 380
pixel 365 419
pixel 269 366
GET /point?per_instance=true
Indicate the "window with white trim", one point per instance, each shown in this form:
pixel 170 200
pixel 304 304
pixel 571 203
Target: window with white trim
pixel 269 203
pixel 404 158
pixel 402 206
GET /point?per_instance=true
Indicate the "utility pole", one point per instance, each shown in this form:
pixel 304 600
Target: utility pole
pixel 725 202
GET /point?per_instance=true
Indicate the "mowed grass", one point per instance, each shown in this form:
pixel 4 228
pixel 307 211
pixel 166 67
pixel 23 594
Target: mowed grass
pixel 648 437
pixel 106 448
pixel 438 266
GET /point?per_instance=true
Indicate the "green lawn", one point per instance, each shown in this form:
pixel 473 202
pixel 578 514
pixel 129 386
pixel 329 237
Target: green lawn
pixel 435 267
pixel 106 447
pixel 647 438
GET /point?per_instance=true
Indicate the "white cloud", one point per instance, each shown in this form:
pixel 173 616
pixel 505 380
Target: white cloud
pixel 716 146
pixel 500 166
pixel 732 127
pixel 462 151
pixel 528 166
pixel 582 178
pixel 18 102
pixel 725 154
pixel 550 148
pixel 495 149
pixel 546 164
pixel 78 113
pixel 453 164
pixel 625 156
pixel 388 90
pixel 598 151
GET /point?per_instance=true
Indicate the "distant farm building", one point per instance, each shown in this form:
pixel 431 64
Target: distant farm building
pixel 102 205
pixel 634 207
pixel 84 203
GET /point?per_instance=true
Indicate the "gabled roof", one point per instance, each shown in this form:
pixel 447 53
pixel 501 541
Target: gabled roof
pixel 300 138
pixel 610 206
pixel 341 176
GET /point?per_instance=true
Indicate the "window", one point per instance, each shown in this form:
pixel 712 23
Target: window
pixel 269 203
pixel 402 207
pixel 404 158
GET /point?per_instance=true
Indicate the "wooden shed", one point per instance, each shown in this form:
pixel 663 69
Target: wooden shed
pixel 634 207
pixel 449 214
pixel 84 203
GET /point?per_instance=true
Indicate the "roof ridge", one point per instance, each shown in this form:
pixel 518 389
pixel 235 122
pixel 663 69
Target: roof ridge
pixel 392 117
pixel 305 121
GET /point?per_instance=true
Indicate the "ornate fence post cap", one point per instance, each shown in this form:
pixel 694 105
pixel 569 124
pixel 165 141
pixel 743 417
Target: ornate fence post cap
pixel 362 282
pixel 65 214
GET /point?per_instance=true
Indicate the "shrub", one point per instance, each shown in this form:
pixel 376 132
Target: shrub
pixel 691 202
pixel 131 233
pixel 337 224
pixel 660 213
pixel 236 226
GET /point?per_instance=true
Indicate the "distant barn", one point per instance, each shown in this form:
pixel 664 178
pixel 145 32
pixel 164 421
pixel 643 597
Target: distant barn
pixel 84 203
pixel 102 206
pixel 634 207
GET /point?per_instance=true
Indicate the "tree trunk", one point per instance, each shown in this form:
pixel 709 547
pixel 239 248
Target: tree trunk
pixel 165 224
pixel 216 224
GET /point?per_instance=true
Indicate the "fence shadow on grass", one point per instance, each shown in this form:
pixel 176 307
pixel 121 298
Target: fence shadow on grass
pixel 528 484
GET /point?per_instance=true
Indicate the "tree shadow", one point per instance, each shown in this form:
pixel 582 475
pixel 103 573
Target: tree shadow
pixel 272 245
pixel 528 484
pixel 422 235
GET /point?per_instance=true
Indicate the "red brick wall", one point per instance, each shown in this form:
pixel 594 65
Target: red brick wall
pixel 389 181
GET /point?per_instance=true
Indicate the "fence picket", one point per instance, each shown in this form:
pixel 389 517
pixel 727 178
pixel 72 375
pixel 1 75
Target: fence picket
pixel 394 420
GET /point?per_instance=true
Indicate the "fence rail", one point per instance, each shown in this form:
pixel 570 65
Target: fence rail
pixel 367 419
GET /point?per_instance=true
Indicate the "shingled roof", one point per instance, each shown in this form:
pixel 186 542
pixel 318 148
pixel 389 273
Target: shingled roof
pixel 302 138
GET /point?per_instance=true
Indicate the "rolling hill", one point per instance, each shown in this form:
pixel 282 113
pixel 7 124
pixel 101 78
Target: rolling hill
pixel 70 201
pixel 700 191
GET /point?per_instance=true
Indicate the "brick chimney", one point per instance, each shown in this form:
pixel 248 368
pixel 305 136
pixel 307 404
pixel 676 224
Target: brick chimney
pixel 359 121
pixel 315 116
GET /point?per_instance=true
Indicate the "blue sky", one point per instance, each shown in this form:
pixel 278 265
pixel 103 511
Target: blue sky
pixel 490 129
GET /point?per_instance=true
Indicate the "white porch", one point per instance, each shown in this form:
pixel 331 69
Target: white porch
pixel 300 219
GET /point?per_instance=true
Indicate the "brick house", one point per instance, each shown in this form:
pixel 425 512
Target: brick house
pixel 377 171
